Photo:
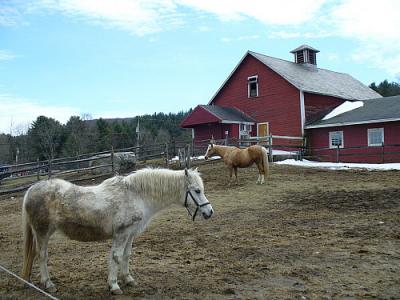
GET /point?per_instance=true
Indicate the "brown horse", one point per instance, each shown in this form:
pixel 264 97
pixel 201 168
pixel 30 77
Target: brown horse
pixel 242 158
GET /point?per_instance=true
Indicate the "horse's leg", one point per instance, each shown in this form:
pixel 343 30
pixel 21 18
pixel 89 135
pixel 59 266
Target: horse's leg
pixel 116 255
pixel 235 169
pixel 260 179
pixel 42 240
pixel 126 276
pixel 230 174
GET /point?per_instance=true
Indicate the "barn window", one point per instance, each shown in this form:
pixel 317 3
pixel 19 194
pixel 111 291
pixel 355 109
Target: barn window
pixel 252 86
pixel 375 137
pixel 245 127
pixel 336 139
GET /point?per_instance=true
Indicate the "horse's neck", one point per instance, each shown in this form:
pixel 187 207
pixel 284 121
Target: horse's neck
pixel 222 150
pixel 158 192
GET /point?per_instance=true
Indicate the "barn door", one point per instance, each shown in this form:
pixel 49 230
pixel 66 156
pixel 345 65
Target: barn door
pixel 262 129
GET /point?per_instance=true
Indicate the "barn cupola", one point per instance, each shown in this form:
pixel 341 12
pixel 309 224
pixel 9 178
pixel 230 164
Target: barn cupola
pixel 305 55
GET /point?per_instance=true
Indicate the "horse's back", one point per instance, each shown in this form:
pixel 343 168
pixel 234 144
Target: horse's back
pixel 74 210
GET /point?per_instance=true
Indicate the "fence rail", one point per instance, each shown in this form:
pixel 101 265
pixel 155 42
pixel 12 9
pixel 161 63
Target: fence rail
pixel 85 164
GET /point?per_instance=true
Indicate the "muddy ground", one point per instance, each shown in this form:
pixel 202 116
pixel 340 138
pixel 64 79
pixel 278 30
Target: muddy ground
pixel 307 234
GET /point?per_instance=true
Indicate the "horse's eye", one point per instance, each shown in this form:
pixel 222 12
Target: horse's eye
pixel 197 191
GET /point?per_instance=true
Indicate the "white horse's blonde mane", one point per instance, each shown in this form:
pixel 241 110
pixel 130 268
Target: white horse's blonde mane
pixel 160 184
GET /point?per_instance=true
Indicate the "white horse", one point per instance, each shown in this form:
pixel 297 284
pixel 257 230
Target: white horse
pixel 119 208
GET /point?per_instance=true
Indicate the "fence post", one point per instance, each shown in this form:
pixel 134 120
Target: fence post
pixel 337 153
pixel 383 152
pixel 271 157
pixel 49 168
pixel 38 169
pixel 112 160
pixel 173 147
pixel 166 155
pixel 188 156
pixel 78 165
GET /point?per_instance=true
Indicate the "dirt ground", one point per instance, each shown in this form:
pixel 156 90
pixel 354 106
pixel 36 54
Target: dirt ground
pixel 306 234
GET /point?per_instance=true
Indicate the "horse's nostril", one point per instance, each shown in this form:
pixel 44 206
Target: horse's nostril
pixel 205 157
pixel 207 216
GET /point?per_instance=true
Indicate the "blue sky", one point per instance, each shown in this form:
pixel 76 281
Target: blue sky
pixel 124 58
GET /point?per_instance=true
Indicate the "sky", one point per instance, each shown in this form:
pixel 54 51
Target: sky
pixel 124 58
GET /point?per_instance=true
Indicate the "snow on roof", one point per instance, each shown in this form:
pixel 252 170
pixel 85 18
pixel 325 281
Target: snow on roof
pixel 345 107
pixel 339 166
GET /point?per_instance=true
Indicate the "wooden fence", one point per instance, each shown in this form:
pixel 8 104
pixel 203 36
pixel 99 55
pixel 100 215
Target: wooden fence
pixel 19 177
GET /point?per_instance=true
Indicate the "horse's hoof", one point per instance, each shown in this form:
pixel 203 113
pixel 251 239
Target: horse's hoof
pixel 116 291
pixel 129 281
pixel 52 289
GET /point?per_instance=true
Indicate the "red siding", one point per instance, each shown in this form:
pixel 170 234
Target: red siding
pixel 316 106
pixel 199 116
pixel 357 136
pixel 278 102
pixel 217 130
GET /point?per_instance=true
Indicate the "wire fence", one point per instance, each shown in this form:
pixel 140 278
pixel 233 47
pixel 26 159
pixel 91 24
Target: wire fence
pixel 27 283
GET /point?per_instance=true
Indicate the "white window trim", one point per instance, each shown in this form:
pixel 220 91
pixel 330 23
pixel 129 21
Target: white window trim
pixel 372 130
pixel 262 123
pixel 248 86
pixel 330 139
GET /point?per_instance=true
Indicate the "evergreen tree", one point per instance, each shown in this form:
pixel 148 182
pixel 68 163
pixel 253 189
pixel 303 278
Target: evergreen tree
pixel 46 137
pixel 386 89
pixel 103 135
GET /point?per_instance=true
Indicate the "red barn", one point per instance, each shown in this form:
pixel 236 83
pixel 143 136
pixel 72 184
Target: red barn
pixel 269 96
pixel 369 133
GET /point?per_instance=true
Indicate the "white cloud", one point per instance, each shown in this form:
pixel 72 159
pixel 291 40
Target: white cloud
pixel 240 38
pixel 376 26
pixel 282 12
pixel 10 15
pixel 142 17
pixel 367 22
pixel 6 55
pixel 18 113
pixel 139 17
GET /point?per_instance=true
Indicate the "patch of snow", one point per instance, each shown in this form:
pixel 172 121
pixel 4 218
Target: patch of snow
pixel 339 166
pixel 345 107
pixel 282 152
pixel 210 158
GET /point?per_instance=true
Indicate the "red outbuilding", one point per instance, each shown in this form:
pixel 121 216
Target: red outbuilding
pixel 269 96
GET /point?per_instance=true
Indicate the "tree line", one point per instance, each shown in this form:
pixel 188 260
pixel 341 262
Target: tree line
pixel 47 138
pixel 386 88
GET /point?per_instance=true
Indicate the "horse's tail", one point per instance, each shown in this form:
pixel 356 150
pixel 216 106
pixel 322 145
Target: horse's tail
pixel 29 247
pixel 265 162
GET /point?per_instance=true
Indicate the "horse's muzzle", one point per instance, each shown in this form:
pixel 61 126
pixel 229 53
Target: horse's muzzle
pixel 207 216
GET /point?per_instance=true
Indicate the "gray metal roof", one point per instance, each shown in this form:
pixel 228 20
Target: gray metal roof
pixel 318 81
pixel 302 47
pixel 373 111
pixel 228 114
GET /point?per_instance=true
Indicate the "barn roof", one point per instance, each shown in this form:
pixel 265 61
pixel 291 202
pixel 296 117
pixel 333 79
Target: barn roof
pixel 319 81
pixel 312 79
pixel 203 114
pixel 378 110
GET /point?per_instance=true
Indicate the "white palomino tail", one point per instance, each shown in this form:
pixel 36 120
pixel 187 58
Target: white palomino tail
pixel 29 247
pixel 265 162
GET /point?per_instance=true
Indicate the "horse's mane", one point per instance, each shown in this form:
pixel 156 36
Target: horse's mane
pixel 159 184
